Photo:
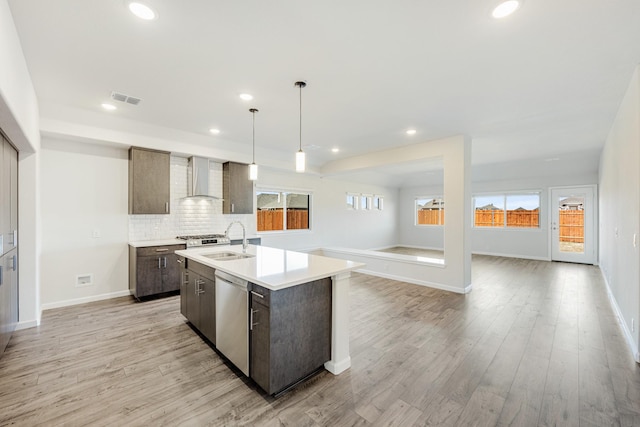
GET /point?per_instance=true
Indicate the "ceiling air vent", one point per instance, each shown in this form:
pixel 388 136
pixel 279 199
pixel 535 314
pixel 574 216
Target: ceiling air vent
pixel 125 98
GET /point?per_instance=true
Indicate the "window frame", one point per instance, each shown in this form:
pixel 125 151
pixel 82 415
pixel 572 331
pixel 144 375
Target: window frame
pixel 283 193
pixel 505 195
pixel 440 211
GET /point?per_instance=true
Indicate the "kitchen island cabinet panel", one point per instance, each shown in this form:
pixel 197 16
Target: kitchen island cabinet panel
pixel 290 334
pixel 198 298
pixel 149 181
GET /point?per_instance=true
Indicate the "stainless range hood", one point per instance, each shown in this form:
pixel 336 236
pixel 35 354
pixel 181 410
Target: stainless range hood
pixel 198 178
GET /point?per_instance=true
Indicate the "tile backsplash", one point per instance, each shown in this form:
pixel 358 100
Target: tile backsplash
pixel 189 216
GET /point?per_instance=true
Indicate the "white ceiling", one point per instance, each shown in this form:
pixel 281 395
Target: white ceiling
pixel 545 82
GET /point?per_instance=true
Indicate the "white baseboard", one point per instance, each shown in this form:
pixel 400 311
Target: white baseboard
pixel 84 300
pixel 27 324
pixel 440 286
pixel 633 346
pixel 535 258
pixel 338 367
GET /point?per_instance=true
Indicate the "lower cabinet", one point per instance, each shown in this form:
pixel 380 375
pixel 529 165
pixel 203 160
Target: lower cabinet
pixel 154 270
pixel 290 333
pixel 198 298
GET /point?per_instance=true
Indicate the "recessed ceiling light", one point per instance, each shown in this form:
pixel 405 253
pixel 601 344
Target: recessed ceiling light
pixel 505 8
pixel 142 10
pixel 411 132
pixel 246 97
pixel 335 150
pixel 214 131
pixel 109 107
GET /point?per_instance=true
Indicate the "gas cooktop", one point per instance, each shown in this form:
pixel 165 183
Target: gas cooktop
pixel 198 240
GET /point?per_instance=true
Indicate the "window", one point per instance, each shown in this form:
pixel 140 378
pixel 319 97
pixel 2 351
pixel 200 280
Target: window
pixel 366 202
pixel 507 210
pixel 352 201
pixel 282 210
pixel 429 211
pixel 378 203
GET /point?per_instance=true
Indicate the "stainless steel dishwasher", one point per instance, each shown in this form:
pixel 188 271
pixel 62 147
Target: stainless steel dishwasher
pixel 232 319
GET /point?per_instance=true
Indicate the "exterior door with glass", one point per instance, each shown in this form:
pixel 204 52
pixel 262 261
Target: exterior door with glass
pixel 573 235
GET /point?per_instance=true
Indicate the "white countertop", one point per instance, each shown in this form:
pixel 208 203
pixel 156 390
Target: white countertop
pixel 272 268
pixel 163 242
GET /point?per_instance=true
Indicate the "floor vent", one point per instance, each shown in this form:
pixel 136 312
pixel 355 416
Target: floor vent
pixel 116 96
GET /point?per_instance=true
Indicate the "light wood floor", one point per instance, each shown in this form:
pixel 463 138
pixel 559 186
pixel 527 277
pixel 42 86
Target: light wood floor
pixel 534 343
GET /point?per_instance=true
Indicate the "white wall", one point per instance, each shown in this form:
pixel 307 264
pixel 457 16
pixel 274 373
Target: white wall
pixel 19 119
pixel 332 223
pixel 84 189
pixel 619 206
pixel 429 237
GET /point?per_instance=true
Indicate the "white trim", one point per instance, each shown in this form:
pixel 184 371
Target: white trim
pixel 427 248
pixel 281 189
pixel 84 300
pixel 535 258
pixel 633 346
pixel 428 284
pixel 407 259
pixel 27 324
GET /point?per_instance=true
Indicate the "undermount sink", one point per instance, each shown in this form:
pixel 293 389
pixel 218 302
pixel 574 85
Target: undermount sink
pixel 227 256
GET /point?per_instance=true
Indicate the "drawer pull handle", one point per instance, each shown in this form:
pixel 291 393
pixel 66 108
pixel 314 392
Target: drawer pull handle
pixel 162 250
pixel 257 294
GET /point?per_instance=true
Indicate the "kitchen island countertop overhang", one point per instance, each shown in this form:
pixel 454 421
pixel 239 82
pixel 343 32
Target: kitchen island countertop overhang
pixel 272 268
pixel 278 269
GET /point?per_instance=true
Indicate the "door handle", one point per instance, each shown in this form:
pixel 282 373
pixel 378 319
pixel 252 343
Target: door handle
pixel 159 265
pixel 166 207
pixel 165 262
pixel 14 263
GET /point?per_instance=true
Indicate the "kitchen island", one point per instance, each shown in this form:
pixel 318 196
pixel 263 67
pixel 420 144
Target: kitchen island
pixel 287 294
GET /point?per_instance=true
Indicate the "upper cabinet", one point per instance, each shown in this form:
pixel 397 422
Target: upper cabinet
pixel 237 189
pixel 149 181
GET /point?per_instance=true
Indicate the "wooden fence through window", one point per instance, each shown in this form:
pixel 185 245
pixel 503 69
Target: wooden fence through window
pixel 571 222
pixel 271 219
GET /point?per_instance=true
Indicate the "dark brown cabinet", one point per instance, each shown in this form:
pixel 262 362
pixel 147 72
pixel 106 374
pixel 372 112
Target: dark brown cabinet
pixel 290 333
pixel 237 189
pixel 149 181
pixel 154 270
pixel 199 298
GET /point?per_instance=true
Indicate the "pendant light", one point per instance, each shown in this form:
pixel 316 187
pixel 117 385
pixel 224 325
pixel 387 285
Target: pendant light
pixel 253 168
pixel 300 157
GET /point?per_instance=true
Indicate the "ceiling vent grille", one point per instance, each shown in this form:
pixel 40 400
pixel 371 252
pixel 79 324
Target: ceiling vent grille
pixel 125 98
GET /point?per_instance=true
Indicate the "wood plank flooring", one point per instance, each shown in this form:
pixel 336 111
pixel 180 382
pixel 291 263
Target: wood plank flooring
pixel 534 344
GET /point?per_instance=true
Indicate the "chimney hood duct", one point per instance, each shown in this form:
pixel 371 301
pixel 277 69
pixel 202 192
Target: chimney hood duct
pixel 198 178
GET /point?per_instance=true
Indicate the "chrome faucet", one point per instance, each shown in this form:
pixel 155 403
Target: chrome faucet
pixel 244 234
